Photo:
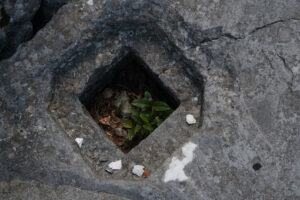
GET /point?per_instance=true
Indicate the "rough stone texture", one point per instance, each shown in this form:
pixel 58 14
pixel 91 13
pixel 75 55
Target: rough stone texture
pixel 250 103
pixel 35 191
pixel 21 27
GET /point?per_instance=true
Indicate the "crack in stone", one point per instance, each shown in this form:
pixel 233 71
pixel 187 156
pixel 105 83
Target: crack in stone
pixel 270 24
pixel 290 83
pixel 268 59
pixel 227 35
pixel 231 36
pixel 265 26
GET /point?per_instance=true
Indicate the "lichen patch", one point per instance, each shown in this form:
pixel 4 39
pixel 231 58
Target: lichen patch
pixel 175 171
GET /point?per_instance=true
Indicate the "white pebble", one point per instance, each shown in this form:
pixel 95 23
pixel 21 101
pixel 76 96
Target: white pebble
pixel 138 170
pixel 79 141
pixel 117 165
pixel 190 119
pixel 90 2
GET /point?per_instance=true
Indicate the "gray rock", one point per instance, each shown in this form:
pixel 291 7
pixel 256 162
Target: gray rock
pixel 124 101
pixel 245 73
pixel 21 10
pixel 120 132
pixel 25 19
pixel 107 93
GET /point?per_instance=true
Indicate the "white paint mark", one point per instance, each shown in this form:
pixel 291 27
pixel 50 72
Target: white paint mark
pixel 79 141
pixel 138 170
pixel 117 165
pixel 175 171
pixel 90 2
pixel 190 119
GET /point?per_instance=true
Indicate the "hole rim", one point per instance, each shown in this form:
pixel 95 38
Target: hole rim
pixel 99 81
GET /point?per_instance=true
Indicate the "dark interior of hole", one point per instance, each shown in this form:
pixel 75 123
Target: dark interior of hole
pixel 257 166
pixel 43 16
pixel 4 18
pixel 39 20
pixel 131 73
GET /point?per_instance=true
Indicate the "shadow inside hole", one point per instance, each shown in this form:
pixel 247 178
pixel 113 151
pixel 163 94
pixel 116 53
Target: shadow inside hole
pixel 43 16
pixel 257 166
pixel 129 73
pixel 15 36
pixel 5 19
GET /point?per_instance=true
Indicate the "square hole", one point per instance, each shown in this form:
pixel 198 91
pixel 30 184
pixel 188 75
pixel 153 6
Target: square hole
pixel 110 92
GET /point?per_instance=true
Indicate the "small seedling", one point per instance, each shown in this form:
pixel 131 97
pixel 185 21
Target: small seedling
pixel 146 115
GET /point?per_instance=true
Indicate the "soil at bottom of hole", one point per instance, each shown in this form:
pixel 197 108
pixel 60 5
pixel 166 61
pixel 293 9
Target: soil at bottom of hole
pixel 104 113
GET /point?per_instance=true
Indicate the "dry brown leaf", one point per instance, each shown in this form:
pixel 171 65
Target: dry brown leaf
pixel 146 174
pixel 132 95
pixel 116 120
pixel 108 133
pixel 113 113
pixel 119 142
pixel 114 125
pixel 105 120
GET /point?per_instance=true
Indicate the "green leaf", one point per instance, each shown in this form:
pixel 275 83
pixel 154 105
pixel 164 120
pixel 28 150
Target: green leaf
pixel 166 114
pixel 135 115
pixel 148 127
pixel 126 123
pixel 134 111
pixel 148 96
pixel 160 106
pixel 158 121
pixel 144 131
pixel 146 116
pixel 130 134
pixel 119 109
pixel 137 128
pixel 141 103
pixel 153 122
pixel 136 118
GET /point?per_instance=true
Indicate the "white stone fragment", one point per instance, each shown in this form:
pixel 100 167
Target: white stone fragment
pixel 190 119
pixel 90 2
pixel 79 141
pixel 175 170
pixel 117 165
pixel 138 170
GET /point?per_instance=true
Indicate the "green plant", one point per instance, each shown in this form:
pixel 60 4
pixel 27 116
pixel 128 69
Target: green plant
pixel 146 115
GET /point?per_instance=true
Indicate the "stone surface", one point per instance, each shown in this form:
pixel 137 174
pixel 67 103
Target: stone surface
pixel 23 22
pixel 242 60
pixel 33 190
